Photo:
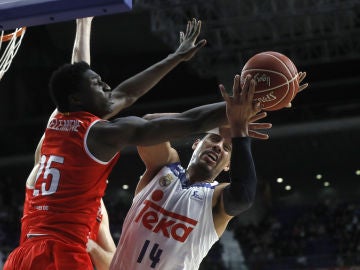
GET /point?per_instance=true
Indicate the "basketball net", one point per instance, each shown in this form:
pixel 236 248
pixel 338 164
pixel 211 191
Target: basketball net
pixel 13 43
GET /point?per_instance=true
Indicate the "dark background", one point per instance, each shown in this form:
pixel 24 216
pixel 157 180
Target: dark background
pixel 320 134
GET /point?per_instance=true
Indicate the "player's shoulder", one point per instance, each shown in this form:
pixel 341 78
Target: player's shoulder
pixel 219 189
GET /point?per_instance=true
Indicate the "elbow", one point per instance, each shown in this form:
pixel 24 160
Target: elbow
pixel 235 208
pixel 247 205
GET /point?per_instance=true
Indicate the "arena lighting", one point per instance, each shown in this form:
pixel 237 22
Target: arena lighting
pixel 319 176
pixel 280 180
pixel 288 187
pixel 125 187
pixel 357 172
pixel 326 184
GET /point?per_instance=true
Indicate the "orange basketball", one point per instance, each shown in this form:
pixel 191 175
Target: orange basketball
pixel 276 79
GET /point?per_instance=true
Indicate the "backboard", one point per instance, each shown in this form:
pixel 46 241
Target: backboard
pixel 18 13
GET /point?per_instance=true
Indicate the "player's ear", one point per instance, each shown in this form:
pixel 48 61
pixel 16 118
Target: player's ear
pixel 74 99
pixel 195 144
pixel 227 167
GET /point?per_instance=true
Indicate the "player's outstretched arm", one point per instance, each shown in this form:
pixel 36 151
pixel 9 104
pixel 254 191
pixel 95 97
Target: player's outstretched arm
pixel 106 138
pixel 231 199
pixel 81 47
pixel 112 136
pixel 133 88
pixel 239 195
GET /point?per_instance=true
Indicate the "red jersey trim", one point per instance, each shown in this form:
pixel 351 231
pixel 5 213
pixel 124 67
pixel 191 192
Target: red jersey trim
pixel 87 149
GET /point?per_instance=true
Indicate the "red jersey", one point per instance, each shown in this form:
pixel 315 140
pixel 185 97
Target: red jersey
pixel 70 181
pixel 25 217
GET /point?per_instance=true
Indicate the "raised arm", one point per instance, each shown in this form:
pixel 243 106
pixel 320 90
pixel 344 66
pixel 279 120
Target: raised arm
pixel 231 199
pixel 107 137
pixel 81 48
pixel 133 88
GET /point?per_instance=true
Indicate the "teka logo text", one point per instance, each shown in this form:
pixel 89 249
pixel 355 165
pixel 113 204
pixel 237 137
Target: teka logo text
pixel 159 220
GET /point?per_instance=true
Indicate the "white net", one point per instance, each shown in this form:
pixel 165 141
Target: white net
pixel 11 44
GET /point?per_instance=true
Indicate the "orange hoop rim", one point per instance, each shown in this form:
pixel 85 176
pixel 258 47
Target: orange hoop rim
pixel 17 33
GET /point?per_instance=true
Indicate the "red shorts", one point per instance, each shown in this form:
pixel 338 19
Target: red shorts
pixel 48 254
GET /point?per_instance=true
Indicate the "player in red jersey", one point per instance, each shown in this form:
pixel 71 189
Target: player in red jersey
pixel 81 52
pixel 73 169
pixel 100 244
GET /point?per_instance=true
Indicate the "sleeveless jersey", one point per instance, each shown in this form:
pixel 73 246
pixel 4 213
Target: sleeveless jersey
pixel 25 218
pixel 70 181
pixel 169 225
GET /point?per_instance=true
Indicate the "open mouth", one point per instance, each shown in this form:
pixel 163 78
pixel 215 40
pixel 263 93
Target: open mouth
pixel 211 157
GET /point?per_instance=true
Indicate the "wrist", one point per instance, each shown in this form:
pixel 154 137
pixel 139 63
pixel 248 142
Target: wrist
pixel 239 130
pixel 242 134
pixel 176 57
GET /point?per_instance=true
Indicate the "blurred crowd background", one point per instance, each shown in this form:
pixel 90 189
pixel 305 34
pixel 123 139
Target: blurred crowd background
pixel 306 215
pixel 319 234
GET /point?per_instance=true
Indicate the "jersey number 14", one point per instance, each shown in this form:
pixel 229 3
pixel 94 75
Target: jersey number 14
pixel 154 255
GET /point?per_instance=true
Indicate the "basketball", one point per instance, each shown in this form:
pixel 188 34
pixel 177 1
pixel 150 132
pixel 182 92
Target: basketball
pixel 276 79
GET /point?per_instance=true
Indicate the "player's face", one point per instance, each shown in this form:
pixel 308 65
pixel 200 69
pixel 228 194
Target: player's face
pixel 212 154
pixel 95 94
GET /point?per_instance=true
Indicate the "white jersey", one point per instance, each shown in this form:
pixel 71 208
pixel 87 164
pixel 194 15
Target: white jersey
pixel 169 225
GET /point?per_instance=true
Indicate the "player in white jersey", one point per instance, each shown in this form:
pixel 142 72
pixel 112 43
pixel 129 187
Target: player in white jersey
pixel 177 214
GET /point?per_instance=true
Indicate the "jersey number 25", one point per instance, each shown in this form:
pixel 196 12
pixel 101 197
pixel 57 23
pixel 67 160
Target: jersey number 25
pixel 50 170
